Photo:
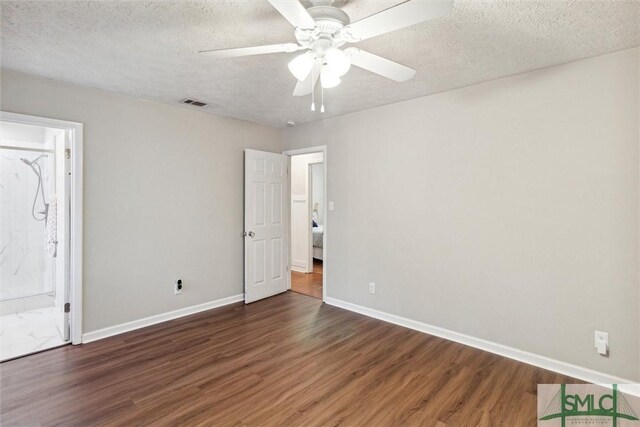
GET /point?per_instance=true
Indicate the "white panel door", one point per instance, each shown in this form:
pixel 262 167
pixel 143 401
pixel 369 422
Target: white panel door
pixel 64 224
pixel 63 231
pixel 265 224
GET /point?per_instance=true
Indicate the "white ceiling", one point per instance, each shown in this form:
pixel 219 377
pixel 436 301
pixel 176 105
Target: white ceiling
pixel 148 49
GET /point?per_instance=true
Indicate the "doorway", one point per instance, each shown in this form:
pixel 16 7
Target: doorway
pixel 37 239
pixel 307 213
pixel 268 205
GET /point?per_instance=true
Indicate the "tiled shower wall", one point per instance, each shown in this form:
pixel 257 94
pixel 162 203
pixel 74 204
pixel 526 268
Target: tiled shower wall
pixel 25 270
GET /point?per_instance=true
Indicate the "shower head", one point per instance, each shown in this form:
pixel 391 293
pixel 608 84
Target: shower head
pixel 35 167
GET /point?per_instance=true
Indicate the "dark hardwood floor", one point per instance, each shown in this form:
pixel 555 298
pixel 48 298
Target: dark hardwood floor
pixel 286 360
pixel 308 283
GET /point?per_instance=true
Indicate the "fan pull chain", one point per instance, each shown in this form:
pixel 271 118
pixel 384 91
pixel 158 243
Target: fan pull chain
pixel 322 100
pixel 313 92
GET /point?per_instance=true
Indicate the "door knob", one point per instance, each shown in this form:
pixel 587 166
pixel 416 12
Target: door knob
pixel 251 234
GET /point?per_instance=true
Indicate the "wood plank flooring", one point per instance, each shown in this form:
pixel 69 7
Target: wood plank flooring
pixel 286 360
pixel 308 283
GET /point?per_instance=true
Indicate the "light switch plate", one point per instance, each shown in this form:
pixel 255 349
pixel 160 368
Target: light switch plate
pixel 330 206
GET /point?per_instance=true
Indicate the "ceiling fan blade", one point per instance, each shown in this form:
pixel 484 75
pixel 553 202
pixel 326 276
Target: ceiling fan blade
pixel 405 14
pixel 304 88
pixel 254 50
pixel 379 65
pixel 295 13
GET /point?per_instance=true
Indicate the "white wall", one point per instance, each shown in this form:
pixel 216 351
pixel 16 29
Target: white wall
pixel 507 211
pixel 301 259
pixel 162 197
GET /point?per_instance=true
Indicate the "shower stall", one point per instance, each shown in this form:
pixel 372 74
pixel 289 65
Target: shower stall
pixel 33 289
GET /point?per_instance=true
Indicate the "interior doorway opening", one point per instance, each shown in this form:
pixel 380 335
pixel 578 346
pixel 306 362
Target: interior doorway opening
pixel 272 246
pixel 307 181
pixel 39 279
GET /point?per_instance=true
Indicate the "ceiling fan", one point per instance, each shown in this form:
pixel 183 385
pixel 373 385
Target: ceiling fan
pixel 322 29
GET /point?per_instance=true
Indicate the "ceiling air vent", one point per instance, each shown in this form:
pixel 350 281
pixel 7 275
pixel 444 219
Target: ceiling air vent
pixel 193 102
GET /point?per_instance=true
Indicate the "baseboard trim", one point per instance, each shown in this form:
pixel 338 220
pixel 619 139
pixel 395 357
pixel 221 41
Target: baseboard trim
pixel 158 318
pixel 544 362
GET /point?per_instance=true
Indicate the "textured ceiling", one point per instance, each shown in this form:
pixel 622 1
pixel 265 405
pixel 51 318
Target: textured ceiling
pixel 148 49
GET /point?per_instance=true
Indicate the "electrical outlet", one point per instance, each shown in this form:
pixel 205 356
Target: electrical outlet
pixel 601 342
pixel 177 287
pixel 372 288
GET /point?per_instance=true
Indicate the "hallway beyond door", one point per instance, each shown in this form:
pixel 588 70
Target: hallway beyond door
pixel 308 283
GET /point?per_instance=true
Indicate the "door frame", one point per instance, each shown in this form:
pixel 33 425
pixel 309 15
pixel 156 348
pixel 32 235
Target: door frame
pixel 75 130
pixel 316 149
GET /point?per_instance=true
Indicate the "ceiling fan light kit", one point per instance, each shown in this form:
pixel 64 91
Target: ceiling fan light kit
pixel 323 29
pixel 301 66
pixel 327 78
pixel 338 62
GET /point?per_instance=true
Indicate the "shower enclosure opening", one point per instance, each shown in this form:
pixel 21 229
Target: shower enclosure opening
pixel 33 288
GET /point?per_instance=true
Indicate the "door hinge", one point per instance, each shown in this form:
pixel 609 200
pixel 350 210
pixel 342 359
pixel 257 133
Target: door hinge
pixel 67 307
pixel 67 153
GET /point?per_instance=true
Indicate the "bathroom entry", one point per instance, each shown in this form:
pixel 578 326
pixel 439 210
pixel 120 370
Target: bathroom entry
pixel 307 223
pixel 35 243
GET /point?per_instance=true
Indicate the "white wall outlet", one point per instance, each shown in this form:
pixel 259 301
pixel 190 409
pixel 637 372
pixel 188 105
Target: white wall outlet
pixel 372 288
pixel 177 287
pixel 331 206
pixel 601 342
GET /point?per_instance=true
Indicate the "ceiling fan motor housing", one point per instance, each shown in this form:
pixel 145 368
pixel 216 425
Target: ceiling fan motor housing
pixel 329 13
pixel 329 21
